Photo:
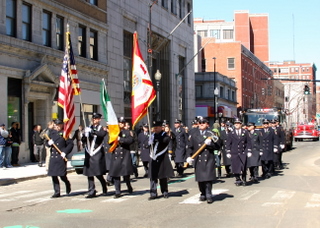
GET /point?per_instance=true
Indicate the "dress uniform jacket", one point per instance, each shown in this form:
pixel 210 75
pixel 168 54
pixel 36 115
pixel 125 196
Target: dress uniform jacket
pixel 94 165
pixel 108 155
pixel 224 137
pixel 204 163
pixel 238 147
pixel 180 144
pixel 121 163
pixel 256 140
pixel 144 147
pixel 58 166
pixel 269 143
pixel 160 167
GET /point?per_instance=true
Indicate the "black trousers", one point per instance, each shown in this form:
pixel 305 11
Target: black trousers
pixel 163 186
pixel 180 168
pixel 15 155
pixel 117 183
pixel 267 167
pixel 146 166
pixel 92 187
pixel 254 171
pixel 205 188
pixel 56 183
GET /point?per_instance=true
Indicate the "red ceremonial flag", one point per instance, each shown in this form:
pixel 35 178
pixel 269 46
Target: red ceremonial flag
pixel 69 86
pixel 143 92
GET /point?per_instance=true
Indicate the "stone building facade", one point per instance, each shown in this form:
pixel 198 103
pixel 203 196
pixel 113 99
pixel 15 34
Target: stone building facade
pixel 32 39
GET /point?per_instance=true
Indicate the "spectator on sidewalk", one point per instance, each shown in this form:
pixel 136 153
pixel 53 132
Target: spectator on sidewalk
pixel 16 138
pixel 8 152
pixel 78 136
pixel 31 145
pixel 3 135
pixel 38 145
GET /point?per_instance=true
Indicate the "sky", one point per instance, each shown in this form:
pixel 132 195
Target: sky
pixel 294 25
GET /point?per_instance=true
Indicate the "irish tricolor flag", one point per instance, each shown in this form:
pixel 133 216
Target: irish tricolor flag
pixel 110 116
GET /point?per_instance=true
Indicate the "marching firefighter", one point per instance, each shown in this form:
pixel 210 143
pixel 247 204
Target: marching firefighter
pixel 204 163
pixel 60 147
pixel 94 163
pixel 238 148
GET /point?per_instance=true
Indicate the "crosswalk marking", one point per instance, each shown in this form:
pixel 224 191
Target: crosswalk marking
pixel 279 198
pixel 13 194
pixel 249 194
pixel 195 199
pixel 314 201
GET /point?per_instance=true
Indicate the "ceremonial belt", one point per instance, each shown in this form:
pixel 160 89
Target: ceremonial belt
pixel 89 148
pixel 158 154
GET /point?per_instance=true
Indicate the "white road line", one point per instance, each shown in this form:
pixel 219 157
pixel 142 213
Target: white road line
pixel 279 198
pixel 38 200
pixel 314 201
pixel 13 194
pixel 34 194
pixel 248 194
pixel 283 195
pixel 195 199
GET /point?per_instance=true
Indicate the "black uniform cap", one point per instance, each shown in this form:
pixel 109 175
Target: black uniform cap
pixel 58 121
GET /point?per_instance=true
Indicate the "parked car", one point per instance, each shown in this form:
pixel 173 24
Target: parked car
pixel 306 132
pixel 77 161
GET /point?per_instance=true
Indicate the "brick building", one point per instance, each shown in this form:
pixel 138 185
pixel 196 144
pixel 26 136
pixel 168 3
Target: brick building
pixel 240 48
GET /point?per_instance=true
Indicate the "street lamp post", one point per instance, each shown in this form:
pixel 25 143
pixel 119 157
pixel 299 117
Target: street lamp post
pixel 157 77
pixel 216 93
pixel 214 88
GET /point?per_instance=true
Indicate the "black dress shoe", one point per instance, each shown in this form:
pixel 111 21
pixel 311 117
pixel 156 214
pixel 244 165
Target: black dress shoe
pixel 55 196
pixel 202 198
pixel 165 195
pixel 136 175
pixel 152 197
pixel 109 183
pixel 40 164
pixel 116 196
pixel 209 200
pixel 91 195
pixel 130 190
pixel 104 194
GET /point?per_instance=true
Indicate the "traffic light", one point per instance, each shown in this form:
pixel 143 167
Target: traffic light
pixel 306 90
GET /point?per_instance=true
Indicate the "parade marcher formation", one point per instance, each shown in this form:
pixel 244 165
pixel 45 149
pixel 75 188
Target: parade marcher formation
pixel 235 147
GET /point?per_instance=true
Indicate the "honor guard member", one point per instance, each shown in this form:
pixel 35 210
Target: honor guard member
pixel 121 164
pixel 253 160
pixel 160 165
pixel 144 148
pixel 180 146
pixel 224 136
pixel 108 155
pixel 204 163
pixel 133 149
pixel 58 163
pixel 94 162
pixel 269 147
pixel 281 143
pixel 238 146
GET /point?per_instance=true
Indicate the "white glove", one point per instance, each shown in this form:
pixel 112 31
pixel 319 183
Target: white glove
pixel 63 154
pixel 207 141
pixel 249 154
pixel 50 142
pixel 190 160
pixel 275 150
pixel 87 130
pixel 170 157
pixel 228 155
pixel 261 153
pixel 282 146
pixel 132 152
pixel 151 138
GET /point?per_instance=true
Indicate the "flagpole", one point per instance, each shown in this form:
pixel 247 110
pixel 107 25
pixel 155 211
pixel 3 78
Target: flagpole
pixel 70 72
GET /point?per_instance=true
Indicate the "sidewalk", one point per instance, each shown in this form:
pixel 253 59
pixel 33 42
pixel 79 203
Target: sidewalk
pixel 26 171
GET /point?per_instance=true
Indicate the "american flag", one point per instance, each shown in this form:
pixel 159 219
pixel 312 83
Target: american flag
pixel 69 86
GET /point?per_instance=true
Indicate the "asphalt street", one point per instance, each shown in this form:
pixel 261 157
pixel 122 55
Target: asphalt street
pixel 291 198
